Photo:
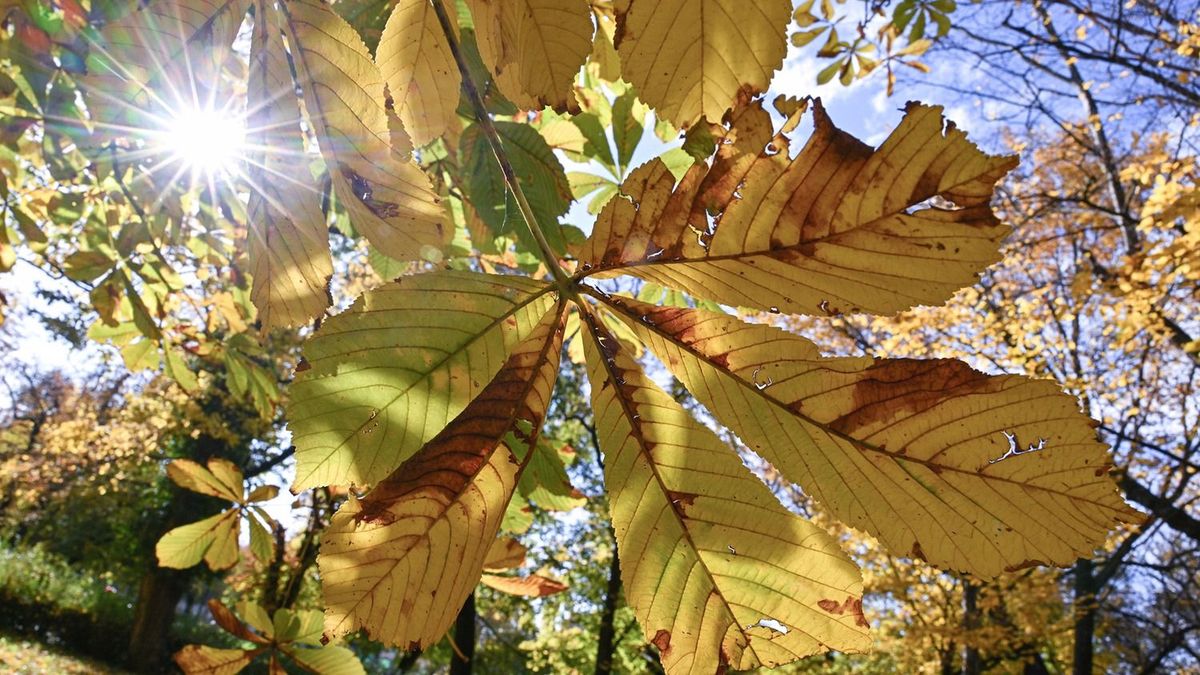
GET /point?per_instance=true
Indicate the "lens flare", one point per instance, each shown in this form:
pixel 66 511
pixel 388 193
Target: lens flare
pixel 209 142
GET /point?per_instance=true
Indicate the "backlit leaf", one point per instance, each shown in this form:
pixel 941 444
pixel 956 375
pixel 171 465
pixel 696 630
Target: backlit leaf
pixel 213 540
pixel 204 660
pixel 546 483
pixel 287 241
pixel 401 561
pixel 629 117
pixel 388 374
pixel 840 228
pixel 535 48
pixel 707 552
pixel 328 660
pixel 691 58
pixel 532 586
pixel 506 553
pixel 541 175
pixel 390 201
pixel 968 471
pixel 221 478
pixel 159 58
pixel 295 634
pixel 422 77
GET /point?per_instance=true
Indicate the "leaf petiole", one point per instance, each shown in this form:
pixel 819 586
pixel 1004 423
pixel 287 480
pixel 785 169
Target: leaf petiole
pixel 561 279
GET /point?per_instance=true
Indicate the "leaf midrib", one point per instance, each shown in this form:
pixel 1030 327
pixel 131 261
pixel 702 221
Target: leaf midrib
pixel 636 432
pixel 512 415
pixel 770 252
pixel 864 445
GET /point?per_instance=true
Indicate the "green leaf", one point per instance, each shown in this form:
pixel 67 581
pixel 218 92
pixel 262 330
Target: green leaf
pixel 445 504
pixel 545 481
pixel 214 540
pixel 262 542
pixel 827 73
pixel 178 370
pixel 629 115
pixel 539 172
pixel 388 374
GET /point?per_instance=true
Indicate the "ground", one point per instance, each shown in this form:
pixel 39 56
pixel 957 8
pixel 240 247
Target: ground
pixel 25 656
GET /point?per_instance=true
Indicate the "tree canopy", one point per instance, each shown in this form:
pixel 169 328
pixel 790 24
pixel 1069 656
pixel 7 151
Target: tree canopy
pixel 562 320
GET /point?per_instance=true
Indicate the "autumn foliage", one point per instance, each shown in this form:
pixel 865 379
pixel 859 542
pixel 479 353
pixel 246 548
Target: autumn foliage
pixel 387 275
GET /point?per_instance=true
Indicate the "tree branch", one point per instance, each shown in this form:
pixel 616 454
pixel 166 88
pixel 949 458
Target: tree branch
pixel 1176 518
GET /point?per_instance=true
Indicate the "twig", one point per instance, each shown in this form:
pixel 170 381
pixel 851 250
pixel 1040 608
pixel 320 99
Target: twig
pixel 493 138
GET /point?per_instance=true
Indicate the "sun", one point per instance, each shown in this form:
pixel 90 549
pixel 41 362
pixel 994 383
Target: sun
pixel 209 142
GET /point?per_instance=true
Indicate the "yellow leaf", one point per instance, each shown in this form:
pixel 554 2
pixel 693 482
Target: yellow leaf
pixel 535 48
pixel 213 540
pixel 329 660
pixel 296 634
pixel 287 241
pixel 692 58
pixel 422 77
pixel 204 660
pixel 262 493
pixel 388 374
pixel 390 201
pixel 716 570
pixel 401 561
pixel 506 553
pixel 532 586
pixel 604 54
pixel 841 228
pixel 221 479
pixel 970 472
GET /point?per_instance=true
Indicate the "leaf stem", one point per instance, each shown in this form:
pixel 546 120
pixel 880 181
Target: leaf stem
pixel 510 176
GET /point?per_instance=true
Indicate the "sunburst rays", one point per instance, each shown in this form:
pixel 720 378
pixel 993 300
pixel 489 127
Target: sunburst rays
pixel 184 122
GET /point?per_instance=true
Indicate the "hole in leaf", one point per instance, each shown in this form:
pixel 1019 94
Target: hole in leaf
pixel 1014 447
pixel 770 624
pixel 761 384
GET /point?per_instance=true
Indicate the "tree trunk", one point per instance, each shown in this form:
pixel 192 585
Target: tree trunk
pixel 1085 617
pixel 1037 666
pixel 608 632
pixel 162 589
pixel 463 658
pixel 158 595
pixel 970 623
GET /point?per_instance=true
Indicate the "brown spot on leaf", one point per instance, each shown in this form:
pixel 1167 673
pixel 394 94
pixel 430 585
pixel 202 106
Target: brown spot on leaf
pixel 917 553
pixel 851 605
pixel 662 640
pixel 374 513
pixel 1024 564
pixel 364 192
pixel 895 388
pixel 681 500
